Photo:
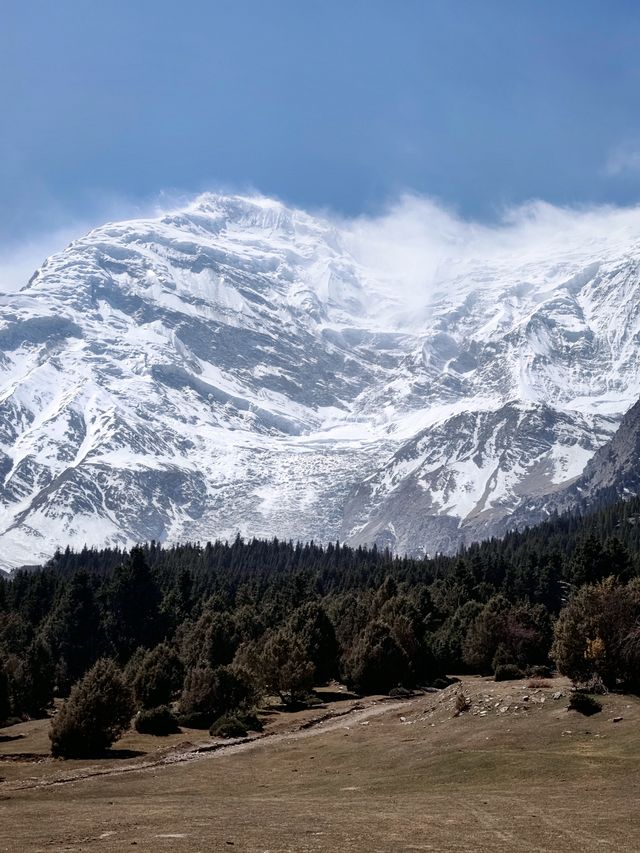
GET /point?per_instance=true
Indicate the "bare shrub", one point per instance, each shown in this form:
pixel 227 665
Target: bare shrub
pixel 538 684
pixel 462 704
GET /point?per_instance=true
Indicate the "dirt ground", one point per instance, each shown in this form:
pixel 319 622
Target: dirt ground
pixel 508 773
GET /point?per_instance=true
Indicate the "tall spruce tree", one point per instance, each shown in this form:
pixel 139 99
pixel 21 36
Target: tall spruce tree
pixel 132 607
pixel 74 631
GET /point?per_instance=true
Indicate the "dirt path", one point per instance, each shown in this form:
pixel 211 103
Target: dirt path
pixel 192 752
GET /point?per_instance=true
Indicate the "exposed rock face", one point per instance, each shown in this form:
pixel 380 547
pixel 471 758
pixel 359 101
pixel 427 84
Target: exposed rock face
pixel 613 473
pixel 236 366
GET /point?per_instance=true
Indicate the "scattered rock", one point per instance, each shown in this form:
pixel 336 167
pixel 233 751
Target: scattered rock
pixel 617 719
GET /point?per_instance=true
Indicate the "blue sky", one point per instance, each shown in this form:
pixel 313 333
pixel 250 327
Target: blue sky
pixel 481 104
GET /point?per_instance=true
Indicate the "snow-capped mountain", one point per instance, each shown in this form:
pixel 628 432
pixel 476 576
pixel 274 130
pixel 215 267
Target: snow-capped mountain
pixel 240 366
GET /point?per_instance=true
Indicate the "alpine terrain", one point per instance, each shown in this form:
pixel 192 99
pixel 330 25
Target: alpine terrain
pixel 238 366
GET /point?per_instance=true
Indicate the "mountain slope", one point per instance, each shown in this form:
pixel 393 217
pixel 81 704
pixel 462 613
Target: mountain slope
pixel 240 366
pixel 612 473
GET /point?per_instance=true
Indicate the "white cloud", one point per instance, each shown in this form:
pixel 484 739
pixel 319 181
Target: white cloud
pixel 624 160
pixel 418 245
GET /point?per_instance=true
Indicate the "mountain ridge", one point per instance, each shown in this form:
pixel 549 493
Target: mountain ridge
pixel 238 366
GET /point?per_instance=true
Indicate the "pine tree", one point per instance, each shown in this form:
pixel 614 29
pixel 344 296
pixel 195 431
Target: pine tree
pixel 73 631
pixel 33 681
pixel 133 601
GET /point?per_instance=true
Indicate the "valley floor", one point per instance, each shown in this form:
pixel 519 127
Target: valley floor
pixel 376 775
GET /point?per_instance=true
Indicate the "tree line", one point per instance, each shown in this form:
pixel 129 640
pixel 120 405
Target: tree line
pixel 196 634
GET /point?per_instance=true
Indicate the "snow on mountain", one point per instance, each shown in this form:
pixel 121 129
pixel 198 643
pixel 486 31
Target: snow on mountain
pixel 239 366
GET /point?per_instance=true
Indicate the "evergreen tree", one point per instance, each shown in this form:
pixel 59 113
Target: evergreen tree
pixel 209 693
pixel 285 667
pixel 159 677
pixel 132 610
pixel 97 712
pixel 74 631
pixel 33 681
pixel 315 631
pixel 5 696
pixel 378 663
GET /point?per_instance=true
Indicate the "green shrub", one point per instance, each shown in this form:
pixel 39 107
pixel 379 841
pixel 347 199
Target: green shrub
pixel 97 712
pixel 228 726
pixel 507 633
pixel 584 704
pixel 507 672
pixel 540 672
pixel 250 721
pixel 400 692
pixel 159 721
pixel 315 631
pixel 32 681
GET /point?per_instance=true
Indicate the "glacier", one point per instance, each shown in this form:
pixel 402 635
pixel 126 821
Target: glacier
pixel 238 366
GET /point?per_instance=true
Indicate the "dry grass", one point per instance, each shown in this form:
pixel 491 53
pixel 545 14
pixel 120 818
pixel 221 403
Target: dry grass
pixel 539 684
pixel 394 776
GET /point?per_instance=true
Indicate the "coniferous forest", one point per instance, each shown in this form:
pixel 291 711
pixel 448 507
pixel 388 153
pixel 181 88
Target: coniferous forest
pixel 198 634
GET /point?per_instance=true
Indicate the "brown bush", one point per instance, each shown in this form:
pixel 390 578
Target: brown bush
pixel 538 684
